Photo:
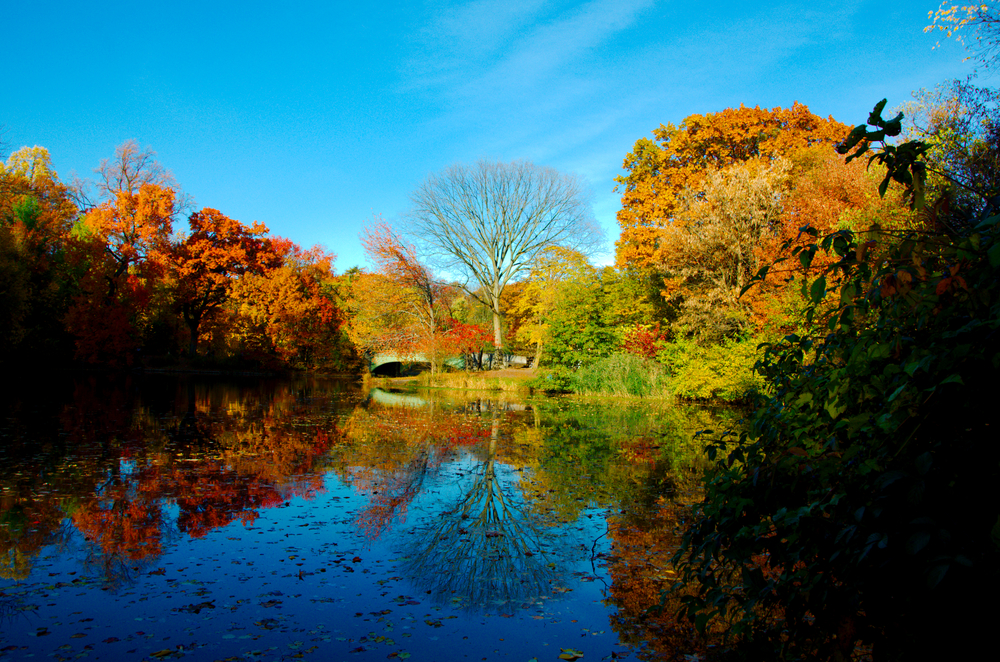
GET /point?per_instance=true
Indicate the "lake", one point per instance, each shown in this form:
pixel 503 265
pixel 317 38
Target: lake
pixel 162 517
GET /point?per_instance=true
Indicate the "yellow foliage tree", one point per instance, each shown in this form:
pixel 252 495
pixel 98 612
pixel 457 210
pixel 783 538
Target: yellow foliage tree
pixel 542 293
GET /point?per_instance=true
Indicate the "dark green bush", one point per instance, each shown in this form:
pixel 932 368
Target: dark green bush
pixel 552 380
pixel 860 505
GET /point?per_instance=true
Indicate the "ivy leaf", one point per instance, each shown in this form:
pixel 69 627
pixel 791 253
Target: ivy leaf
pixel 818 290
pixel 994 254
pixel 917 542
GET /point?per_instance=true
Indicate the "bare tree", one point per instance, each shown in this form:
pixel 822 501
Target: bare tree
pixel 487 223
pixel 131 168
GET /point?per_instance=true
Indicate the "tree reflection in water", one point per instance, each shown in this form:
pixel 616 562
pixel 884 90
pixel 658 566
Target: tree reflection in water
pixel 486 550
pixel 396 443
pixel 111 466
pixel 493 507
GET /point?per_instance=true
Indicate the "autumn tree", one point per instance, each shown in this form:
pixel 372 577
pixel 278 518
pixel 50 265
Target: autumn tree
pixel 116 252
pixel 552 273
pixel 712 249
pixel 134 229
pixel 426 299
pixel 205 263
pixel 374 320
pixel 663 172
pixel 135 218
pixel 488 222
pixel 419 302
pixel 131 168
pixel 466 340
pixel 291 311
pixel 36 214
pixel 117 255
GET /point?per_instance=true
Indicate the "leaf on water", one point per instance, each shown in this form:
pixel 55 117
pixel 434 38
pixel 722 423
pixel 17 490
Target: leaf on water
pixel 570 654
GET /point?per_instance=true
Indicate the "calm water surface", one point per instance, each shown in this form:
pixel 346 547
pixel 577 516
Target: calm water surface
pixel 160 517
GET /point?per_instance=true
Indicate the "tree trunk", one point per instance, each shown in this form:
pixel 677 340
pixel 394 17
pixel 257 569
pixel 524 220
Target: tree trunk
pixel 497 331
pixel 193 323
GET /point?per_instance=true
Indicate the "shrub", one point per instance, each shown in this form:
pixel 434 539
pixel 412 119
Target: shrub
pixel 722 371
pixel 552 380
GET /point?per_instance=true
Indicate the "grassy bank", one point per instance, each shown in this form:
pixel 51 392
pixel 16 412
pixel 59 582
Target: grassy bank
pixel 508 381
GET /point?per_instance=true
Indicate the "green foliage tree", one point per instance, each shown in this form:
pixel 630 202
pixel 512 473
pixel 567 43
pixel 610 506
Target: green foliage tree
pixel 573 324
pixel 553 275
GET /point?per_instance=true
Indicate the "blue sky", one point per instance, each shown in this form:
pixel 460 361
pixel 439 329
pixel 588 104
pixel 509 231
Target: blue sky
pixel 313 117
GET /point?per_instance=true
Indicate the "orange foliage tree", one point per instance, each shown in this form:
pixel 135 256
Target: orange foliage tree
pixel 375 322
pixel 117 252
pixel 827 194
pixel 659 171
pixel 422 304
pixel 205 264
pixel 291 311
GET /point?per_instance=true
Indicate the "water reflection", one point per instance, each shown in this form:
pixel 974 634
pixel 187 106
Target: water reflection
pixel 485 548
pixel 478 502
pixel 216 452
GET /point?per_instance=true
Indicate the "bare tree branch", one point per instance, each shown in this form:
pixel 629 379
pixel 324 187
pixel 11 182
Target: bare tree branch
pixel 486 223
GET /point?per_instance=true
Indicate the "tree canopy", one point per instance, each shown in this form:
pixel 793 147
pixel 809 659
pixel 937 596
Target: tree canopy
pixel 661 172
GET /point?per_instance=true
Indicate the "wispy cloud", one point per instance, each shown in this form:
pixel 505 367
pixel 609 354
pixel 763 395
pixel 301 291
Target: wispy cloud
pixel 521 58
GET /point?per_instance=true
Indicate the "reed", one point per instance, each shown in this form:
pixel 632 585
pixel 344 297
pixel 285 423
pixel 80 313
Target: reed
pixel 623 375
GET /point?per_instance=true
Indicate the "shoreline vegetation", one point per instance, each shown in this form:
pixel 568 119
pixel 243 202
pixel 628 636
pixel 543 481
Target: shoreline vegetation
pixel 689 373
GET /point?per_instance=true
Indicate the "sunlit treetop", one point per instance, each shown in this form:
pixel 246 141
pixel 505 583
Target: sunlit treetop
pixel 661 172
pixel 31 163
